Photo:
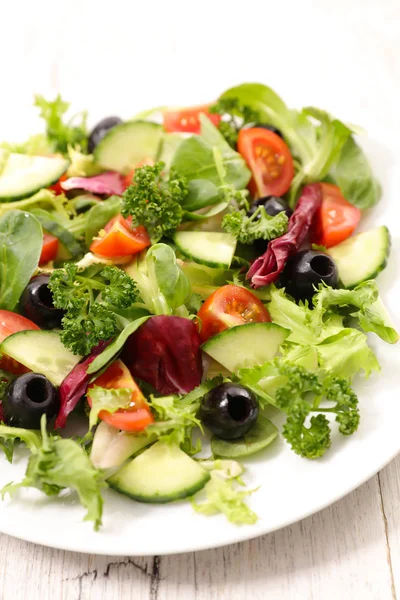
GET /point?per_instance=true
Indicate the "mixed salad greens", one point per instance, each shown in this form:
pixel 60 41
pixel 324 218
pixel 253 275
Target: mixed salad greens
pixel 183 276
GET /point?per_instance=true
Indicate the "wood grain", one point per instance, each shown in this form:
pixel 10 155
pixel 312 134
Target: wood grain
pixel 341 552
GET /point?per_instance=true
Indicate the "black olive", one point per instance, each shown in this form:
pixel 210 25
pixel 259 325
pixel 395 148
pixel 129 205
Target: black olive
pixel 273 205
pixel 270 128
pixel 100 130
pixel 305 270
pixel 36 303
pixel 229 411
pixel 27 398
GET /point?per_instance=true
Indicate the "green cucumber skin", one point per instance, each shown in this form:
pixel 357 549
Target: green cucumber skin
pixel 386 246
pixel 33 191
pixel 160 499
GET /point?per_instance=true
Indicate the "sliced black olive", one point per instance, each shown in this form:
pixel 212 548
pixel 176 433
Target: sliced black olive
pixel 229 411
pixel 27 398
pixel 100 130
pixel 306 270
pixel 36 303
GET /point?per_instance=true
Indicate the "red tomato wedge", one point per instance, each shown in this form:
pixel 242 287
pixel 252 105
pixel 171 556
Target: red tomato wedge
pixel 119 239
pixel 49 248
pixel 336 219
pixel 269 160
pixel 12 323
pixel 228 306
pixel 187 119
pixel 138 415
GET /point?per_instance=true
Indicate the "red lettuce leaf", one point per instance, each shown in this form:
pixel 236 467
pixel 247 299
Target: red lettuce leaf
pixel 165 352
pixel 267 268
pixel 75 385
pixel 106 183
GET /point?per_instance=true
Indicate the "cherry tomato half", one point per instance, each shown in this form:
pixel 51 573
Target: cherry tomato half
pixel 138 415
pixel 269 160
pixel 49 248
pixel 119 239
pixel 228 306
pixel 12 323
pixel 336 219
pixel 187 119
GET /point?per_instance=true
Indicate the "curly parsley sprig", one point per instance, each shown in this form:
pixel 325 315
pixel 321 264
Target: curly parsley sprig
pixel 154 200
pixel 91 299
pixel 258 226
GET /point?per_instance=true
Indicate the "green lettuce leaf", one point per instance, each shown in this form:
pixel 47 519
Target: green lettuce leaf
pixel 9 435
pixel 346 354
pixel 354 176
pixel 63 134
pixel 224 496
pixel 82 165
pixel 371 314
pixel 305 325
pixel 326 343
pixel 62 463
pixel 163 286
pixel 195 159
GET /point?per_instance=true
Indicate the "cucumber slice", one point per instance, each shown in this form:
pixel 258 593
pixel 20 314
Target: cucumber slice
pixel 161 474
pixel 362 257
pixel 246 345
pixel 23 175
pixel 210 248
pixel 128 144
pixel 41 352
pixel 111 447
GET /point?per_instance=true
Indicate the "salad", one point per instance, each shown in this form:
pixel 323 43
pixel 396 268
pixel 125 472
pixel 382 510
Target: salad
pixel 172 284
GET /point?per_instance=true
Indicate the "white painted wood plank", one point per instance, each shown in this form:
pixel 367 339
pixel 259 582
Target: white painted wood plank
pixel 389 480
pixel 40 573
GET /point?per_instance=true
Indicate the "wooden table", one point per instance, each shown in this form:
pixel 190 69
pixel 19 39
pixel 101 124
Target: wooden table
pixel 350 550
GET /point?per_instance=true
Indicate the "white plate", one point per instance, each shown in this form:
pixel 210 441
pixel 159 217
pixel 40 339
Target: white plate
pixel 186 65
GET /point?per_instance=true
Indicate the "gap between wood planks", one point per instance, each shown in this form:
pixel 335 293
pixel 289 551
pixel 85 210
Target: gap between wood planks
pixel 153 574
pixel 386 528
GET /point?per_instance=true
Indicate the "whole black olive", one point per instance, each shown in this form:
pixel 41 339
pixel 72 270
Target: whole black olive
pixel 305 270
pixel 27 398
pixel 100 130
pixel 36 303
pixel 272 204
pixel 229 411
